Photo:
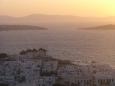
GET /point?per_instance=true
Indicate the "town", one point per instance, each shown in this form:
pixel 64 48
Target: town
pixel 34 67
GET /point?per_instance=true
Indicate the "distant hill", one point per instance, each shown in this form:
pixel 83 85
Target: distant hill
pixel 56 21
pixel 103 27
pixel 20 27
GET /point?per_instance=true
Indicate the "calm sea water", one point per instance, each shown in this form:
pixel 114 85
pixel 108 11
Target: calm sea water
pixel 64 44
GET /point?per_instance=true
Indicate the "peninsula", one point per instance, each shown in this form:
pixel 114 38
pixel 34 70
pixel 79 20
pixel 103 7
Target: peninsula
pixel 20 27
pixel 102 27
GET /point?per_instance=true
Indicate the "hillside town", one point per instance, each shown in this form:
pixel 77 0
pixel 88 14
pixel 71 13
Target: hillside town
pixel 34 67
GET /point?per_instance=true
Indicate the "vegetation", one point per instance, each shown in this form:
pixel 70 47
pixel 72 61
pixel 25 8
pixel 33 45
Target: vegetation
pixel 64 62
pixel 27 51
pixel 57 84
pixel 3 84
pixel 3 57
pixel 48 73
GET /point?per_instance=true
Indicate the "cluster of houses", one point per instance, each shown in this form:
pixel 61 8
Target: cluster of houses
pixel 36 68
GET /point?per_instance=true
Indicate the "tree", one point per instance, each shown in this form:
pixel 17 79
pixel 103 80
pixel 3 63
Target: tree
pixel 3 84
pixel 3 55
pixel 57 84
pixel 22 52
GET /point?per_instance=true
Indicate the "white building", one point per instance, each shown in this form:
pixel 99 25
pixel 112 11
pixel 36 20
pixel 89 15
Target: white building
pixel 31 70
pixel 42 70
pixel 46 81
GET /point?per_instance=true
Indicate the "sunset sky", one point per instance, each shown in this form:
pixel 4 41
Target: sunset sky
pixel 97 8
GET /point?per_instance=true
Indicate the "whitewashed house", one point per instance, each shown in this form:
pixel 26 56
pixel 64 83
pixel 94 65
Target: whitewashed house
pixel 46 81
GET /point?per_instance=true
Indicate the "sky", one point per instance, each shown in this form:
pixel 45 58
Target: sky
pixel 86 8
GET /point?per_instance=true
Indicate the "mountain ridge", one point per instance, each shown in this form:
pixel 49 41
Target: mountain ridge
pixel 56 21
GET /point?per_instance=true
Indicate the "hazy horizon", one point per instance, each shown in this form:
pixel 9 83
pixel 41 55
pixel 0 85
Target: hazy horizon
pixel 40 14
pixel 83 8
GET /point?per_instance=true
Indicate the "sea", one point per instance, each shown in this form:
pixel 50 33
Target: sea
pixel 67 44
